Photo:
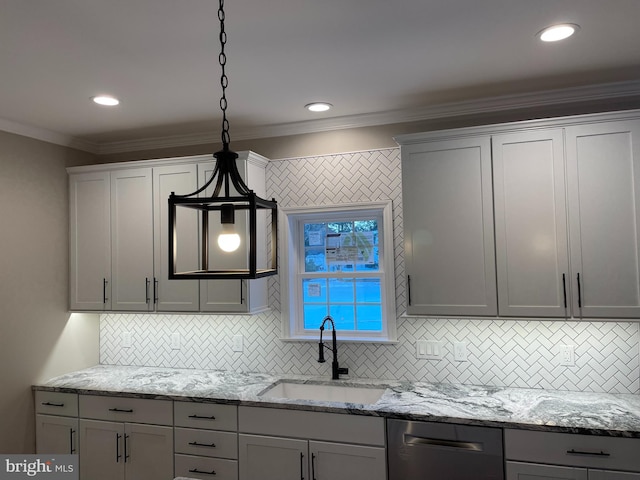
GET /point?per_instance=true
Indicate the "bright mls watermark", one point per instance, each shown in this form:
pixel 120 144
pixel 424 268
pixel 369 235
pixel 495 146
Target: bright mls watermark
pixel 50 467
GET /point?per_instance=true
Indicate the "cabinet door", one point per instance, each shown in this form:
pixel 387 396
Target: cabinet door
pixel 336 461
pixel 272 458
pixel 531 228
pixel 603 170
pixel 132 240
pixel 175 295
pixel 222 295
pixel 56 434
pixel 533 471
pixel 90 241
pixel 148 452
pixel 610 475
pixel 448 227
pixel 102 447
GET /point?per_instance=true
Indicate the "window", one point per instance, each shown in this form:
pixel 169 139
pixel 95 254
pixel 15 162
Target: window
pixel 338 260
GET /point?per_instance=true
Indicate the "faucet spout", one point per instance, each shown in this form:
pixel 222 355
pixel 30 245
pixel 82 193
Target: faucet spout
pixel 336 371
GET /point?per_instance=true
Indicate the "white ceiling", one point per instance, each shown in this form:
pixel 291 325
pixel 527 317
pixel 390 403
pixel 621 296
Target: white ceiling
pixel 367 57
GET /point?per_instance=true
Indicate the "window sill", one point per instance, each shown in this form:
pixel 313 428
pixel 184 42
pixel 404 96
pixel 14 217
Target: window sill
pixel 341 339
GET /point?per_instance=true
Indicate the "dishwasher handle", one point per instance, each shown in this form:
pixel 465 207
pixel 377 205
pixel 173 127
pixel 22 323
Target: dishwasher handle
pixel 438 442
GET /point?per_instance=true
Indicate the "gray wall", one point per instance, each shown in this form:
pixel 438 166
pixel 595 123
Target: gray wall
pixel 38 336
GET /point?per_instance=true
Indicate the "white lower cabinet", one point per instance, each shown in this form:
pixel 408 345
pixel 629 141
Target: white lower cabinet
pixel 56 422
pixel 206 441
pixel 279 444
pixel 553 456
pixel 125 438
pixel 277 458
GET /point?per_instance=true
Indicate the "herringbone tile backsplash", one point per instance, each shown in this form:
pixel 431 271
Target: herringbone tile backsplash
pixel 517 353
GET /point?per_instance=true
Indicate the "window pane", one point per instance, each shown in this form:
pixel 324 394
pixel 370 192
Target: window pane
pixel 368 290
pixel 343 316
pixel 341 290
pixel 314 234
pixel 314 260
pixel 313 316
pixel 369 317
pixel 314 290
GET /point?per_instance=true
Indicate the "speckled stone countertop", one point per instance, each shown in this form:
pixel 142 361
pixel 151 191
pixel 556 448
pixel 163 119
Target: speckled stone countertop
pixel 560 411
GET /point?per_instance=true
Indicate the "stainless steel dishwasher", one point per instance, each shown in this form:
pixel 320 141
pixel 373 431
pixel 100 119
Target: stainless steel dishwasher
pixel 443 451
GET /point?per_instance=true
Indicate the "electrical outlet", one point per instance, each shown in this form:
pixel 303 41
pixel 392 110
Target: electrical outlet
pixel 460 351
pixel 126 340
pixel 237 344
pixel 429 349
pixel 567 355
pixel 175 341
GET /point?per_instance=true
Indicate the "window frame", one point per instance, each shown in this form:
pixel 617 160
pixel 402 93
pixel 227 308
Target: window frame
pixel 291 220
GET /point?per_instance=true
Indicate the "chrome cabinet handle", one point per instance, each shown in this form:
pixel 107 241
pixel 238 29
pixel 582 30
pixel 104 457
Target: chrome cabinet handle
pixel 471 446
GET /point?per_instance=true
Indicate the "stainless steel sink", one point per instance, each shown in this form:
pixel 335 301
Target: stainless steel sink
pixel 324 393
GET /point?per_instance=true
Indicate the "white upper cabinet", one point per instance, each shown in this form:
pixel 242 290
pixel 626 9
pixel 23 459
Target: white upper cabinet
pixel 530 223
pixel 603 169
pixel 119 258
pixel 174 295
pixel 242 296
pixel 448 227
pixel 90 241
pixel 132 240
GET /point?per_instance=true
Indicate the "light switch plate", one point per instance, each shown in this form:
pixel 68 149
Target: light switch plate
pixel 126 340
pixel 429 349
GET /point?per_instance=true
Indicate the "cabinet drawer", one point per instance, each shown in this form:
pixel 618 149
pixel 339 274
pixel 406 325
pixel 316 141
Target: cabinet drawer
pixel 576 450
pixel 205 468
pixel 209 443
pixel 312 425
pixel 134 410
pixel 56 403
pixel 206 415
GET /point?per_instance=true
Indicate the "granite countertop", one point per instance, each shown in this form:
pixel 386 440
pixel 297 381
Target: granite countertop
pixel 559 411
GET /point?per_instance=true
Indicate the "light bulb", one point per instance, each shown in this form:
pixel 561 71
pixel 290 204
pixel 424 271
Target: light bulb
pixel 229 242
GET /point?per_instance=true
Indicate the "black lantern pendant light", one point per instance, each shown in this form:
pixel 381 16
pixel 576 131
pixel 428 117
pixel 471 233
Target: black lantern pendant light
pixel 233 214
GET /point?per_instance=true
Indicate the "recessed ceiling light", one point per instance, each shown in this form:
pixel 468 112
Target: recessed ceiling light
pixel 318 106
pixel 106 100
pixel 558 32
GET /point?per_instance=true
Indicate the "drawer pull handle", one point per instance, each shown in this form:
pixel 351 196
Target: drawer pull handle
pixel 198 444
pixel 121 410
pixel 51 404
pixel 199 417
pixel 195 470
pixel 437 442
pixel 597 454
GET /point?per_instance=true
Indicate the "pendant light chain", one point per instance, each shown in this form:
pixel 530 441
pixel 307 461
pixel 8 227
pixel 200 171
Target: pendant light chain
pixel 224 81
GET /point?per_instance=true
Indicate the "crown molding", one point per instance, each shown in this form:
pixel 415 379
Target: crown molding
pixel 566 96
pixel 48 136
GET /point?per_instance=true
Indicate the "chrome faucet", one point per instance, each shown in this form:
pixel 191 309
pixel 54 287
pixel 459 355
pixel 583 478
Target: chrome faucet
pixel 336 371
